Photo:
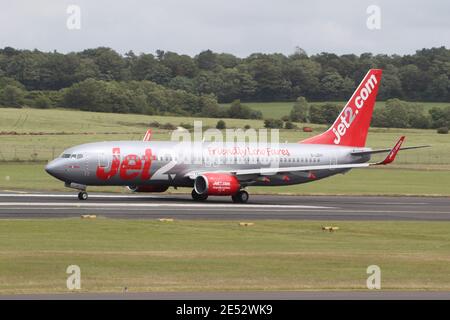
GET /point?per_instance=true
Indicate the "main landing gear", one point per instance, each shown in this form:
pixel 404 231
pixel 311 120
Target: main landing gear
pixel 240 197
pixel 82 195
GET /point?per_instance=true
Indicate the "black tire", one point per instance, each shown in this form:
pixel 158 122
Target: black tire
pixel 198 197
pixel 82 195
pixel 240 197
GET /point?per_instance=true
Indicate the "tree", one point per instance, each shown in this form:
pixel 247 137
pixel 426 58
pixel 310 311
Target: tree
pixel 221 125
pixel 299 112
pixel 206 60
pixel 179 65
pixel 210 108
pixel 390 86
pixel 400 114
pixel 439 88
pixel 42 102
pixel 412 79
pixel 331 86
pixel 440 117
pixel 289 125
pixel 273 123
pixel 323 114
pixel 12 96
pixel 239 111
pixel 182 83
pixel 304 76
pixel 146 67
pixel 109 62
pixel 266 70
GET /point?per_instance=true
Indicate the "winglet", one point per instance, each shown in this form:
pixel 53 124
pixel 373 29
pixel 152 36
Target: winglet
pixel 393 153
pixel 148 135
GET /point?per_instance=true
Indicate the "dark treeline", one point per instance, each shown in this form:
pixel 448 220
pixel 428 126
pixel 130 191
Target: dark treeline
pixel 169 83
pixel 422 76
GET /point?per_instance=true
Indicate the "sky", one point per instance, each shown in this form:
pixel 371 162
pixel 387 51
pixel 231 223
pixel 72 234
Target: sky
pixel 238 27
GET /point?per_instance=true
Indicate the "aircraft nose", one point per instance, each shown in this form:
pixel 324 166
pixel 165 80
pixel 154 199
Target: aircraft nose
pixel 53 168
pixel 50 167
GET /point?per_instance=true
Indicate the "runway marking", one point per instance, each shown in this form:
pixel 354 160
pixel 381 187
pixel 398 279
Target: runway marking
pixel 183 205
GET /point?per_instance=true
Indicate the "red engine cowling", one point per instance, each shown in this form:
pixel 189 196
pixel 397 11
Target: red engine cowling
pixel 216 184
pixel 148 188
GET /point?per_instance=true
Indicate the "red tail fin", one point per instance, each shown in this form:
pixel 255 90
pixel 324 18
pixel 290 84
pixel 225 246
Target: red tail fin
pixel 352 124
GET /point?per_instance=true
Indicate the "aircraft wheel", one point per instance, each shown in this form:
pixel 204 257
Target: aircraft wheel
pixel 240 197
pixel 82 195
pixel 198 197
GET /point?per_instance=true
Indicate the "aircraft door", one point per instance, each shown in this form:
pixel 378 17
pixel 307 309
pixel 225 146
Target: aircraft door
pixel 333 159
pixel 86 164
pixel 103 160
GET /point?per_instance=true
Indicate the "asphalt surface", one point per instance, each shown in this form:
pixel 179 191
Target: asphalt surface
pixel 137 206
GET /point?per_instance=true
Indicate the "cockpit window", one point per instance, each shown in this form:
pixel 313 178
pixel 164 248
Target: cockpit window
pixel 72 156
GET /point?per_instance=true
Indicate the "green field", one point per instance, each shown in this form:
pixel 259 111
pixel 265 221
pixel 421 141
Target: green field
pixel 81 127
pixel 42 135
pixel 221 255
pixel 371 181
pixel 277 110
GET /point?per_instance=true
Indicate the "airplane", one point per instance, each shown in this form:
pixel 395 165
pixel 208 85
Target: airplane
pixel 146 166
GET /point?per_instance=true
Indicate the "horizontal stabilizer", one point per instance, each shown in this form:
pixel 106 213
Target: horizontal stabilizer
pixel 364 152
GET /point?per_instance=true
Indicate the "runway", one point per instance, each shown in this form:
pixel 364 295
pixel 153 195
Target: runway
pixel 179 206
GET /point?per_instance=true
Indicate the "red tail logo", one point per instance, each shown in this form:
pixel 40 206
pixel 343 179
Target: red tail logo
pixel 352 124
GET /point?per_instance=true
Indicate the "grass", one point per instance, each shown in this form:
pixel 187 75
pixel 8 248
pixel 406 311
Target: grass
pixel 417 166
pixel 372 181
pixel 221 255
pixel 91 126
pixel 277 110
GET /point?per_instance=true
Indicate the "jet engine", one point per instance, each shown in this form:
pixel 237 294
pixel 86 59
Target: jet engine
pixel 216 184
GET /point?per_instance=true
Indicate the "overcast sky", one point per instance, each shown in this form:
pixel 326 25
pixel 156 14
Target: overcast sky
pixel 240 27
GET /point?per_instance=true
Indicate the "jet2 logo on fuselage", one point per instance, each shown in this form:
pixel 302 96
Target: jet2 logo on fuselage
pixel 349 114
pixel 131 166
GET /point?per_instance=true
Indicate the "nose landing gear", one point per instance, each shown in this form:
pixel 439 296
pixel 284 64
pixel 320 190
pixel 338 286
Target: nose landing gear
pixel 82 194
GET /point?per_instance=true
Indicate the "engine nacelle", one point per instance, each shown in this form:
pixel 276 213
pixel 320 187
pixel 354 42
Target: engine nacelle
pixel 216 184
pixel 148 188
